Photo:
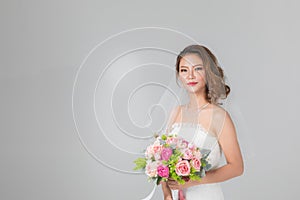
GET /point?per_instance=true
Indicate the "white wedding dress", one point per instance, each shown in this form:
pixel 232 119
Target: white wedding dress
pixel 202 138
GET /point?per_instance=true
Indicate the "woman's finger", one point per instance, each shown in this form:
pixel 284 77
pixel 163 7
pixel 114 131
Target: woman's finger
pixel 171 182
pixel 174 187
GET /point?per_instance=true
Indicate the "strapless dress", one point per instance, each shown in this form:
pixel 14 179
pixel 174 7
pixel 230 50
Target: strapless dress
pixel 202 138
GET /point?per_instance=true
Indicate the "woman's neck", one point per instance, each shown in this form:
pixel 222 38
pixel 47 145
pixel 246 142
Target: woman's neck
pixel 197 100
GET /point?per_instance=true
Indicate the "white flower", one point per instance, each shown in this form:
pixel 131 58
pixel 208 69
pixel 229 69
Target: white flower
pixel 151 168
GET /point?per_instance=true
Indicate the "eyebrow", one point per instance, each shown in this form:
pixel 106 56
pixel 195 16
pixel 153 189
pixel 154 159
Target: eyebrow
pixel 193 66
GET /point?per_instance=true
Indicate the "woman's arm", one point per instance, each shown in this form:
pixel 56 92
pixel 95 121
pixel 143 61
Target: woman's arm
pixel 230 147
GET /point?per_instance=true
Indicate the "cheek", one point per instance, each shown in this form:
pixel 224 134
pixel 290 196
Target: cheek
pixel 201 77
pixel 181 78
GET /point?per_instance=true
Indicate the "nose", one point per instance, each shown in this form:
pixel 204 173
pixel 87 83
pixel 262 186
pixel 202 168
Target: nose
pixel 191 74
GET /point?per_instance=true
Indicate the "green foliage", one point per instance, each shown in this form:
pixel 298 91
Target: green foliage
pixel 177 178
pixel 195 178
pixel 163 137
pixel 158 180
pixel 195 175
pixel 204 164
pixel 164 179
pixel 198 174
pixel 164 162
pixel 140 163
pixel 166 145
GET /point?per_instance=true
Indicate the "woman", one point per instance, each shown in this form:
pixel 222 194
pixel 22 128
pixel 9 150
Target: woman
pixel 200 74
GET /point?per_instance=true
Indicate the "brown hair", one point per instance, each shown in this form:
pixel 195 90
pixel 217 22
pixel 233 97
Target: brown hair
pixel 215 88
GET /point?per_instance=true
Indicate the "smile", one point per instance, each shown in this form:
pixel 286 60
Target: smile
pixel 192 83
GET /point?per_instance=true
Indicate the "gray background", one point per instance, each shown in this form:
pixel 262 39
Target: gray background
pixel 43 44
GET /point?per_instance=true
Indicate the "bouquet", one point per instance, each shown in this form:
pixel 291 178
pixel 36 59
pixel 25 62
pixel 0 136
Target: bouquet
pixel 173 157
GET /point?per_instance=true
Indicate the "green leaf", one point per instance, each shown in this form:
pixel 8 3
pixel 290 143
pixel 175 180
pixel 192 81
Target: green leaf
pixel 198 173
pixel 202 173
pixel 140 163
pixel 195 178
pixel 166 145
pixel 181 181
pixel 164 162
pixel 164 179
pixel 158 180
pixel 207 167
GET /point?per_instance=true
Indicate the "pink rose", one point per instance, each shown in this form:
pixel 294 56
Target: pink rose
pixel 163 171
pixel 182 144
pixel 185 143
pixel 152 150
pixel 197 154
pixel 157 149
pixel 191 146
pixel 195 162
pixel 166 153
pixel 187 154
pixel 183 168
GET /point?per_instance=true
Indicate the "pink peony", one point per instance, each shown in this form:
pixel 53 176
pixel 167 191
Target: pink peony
pixel 183 168
pixel 166 153
pixel 195 162
pixel 163 171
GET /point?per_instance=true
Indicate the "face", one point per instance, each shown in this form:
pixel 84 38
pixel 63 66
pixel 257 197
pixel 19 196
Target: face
pixel 191 70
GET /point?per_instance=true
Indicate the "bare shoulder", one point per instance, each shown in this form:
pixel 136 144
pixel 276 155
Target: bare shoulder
pixel 217 110
pixel 221 120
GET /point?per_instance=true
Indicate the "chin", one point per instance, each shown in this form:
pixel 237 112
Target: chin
pixel 193 91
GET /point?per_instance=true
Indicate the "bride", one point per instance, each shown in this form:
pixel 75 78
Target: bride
pixel 203 79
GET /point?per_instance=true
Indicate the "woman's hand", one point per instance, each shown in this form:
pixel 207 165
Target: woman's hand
pixel 174 185
pixel 166 190
pixel 168 198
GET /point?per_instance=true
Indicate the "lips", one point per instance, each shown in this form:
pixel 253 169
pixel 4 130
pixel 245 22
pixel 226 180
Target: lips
pixel 192 83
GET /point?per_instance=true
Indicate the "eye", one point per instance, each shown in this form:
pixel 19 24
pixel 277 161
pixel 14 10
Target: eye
pixel 183 70
pixel 198 68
